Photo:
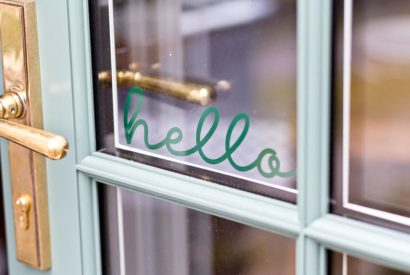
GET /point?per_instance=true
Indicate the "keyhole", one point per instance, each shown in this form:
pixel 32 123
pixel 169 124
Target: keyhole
pixel 23 203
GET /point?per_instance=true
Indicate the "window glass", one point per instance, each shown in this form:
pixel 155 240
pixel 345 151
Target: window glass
pixel 205 88
pixel 342 264
pixel 143 235
pixel 372 114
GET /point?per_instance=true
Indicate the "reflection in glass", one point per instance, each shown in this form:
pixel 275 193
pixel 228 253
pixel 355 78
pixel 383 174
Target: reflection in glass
pixel 150 236
pixel 242 53
pixel 378 144
pixel 341 264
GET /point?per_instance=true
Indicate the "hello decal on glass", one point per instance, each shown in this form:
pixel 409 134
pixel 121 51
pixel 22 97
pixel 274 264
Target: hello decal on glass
pixel 175 136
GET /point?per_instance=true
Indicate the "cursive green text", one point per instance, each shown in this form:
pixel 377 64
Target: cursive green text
pixel 175 136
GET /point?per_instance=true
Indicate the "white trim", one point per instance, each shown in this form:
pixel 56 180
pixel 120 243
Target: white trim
pixel 121 245
pixel 347 58
pixel 344 264
pixel 113 69
pixel 378 213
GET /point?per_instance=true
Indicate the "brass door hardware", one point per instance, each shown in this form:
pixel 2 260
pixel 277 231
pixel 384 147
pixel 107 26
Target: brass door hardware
pixel 21 123
pixel 199 93
pixel 23 203
pixel 48 144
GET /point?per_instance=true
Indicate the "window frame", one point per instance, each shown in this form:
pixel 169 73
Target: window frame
pixel 309 222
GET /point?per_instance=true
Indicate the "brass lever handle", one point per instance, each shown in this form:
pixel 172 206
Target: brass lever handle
pixel 48 144
pixel 199 93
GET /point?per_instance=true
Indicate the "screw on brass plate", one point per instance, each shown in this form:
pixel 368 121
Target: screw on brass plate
pixel 23 203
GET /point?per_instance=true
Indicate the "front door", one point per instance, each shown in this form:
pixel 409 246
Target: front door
pixel 205 139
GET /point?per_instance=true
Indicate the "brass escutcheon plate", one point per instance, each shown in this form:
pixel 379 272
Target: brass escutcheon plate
pixel 21 71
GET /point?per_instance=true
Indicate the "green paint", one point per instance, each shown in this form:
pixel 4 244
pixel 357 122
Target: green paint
pixel 175 135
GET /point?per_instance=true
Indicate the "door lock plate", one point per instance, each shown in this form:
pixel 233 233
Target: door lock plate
pixel 21 72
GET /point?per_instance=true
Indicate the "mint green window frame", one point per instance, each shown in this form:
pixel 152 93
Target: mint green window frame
pixel 73 183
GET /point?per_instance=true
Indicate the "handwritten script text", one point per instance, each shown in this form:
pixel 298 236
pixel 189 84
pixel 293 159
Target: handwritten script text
pixel 175 136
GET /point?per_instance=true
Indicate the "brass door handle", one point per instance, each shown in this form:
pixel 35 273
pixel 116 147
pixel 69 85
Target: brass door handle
pixel 12 105
pixel 48 144
pixel 21 123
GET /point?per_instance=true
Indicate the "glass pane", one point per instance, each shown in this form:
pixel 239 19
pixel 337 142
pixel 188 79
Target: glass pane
pixel 341 264
pixel 205 88
pixel 372 114
pixel 144 235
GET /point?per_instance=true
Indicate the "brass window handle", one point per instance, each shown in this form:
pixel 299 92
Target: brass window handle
pixel 12 105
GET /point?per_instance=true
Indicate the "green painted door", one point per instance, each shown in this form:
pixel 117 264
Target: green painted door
pixel 68 68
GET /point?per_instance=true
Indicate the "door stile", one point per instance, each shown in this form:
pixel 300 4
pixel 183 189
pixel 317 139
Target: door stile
pixel 83 116
pixel 313 99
